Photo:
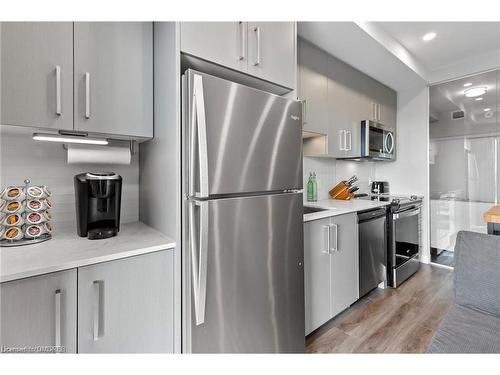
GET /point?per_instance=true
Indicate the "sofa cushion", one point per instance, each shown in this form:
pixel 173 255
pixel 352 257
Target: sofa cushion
pixel 477 271
pixel 465 330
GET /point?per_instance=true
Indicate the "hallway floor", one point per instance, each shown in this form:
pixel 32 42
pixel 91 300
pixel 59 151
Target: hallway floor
pixel 401 320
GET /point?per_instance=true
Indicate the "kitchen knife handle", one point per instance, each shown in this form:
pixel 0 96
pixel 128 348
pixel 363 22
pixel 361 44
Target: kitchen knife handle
pixel 58 90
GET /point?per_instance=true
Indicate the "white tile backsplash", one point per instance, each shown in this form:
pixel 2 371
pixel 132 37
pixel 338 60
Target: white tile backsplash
pixel 330 171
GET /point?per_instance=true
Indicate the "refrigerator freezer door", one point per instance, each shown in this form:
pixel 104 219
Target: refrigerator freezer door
pixel 239 139
pixel 245 290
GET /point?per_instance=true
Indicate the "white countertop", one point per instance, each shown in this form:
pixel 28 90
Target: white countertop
pixel 336 207
pixel 66 250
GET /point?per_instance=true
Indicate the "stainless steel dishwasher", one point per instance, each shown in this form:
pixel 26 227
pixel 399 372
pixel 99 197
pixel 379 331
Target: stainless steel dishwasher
pixel 372 249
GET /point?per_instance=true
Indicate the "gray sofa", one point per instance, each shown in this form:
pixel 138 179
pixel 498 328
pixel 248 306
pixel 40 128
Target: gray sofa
pixel 472 324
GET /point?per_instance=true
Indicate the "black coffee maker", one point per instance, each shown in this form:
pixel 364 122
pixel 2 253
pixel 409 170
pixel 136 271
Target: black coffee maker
pixel 98 201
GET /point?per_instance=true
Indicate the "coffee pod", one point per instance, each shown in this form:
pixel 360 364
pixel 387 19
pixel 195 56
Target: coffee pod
pixel 13 193
pixel 46 191
pixel 13 234
pixel 13 220
pixel 36 192
pixel 14 207
pixel 47 215
pixel 35 218
pixel 34 231
pixel 37 205
pixel 48 227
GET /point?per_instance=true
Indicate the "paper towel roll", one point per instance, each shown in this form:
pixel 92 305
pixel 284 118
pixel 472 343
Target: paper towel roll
pixel 85 154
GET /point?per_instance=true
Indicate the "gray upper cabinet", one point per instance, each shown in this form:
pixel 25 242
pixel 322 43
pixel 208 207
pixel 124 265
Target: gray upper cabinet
pixel 262 49
pixel 113 78
pixel 351 96
pixel 223 43
pixel 331 267
pixel 313 87
pixel 39 311
pixel 271 52
pixel 37 74
pixel 126 306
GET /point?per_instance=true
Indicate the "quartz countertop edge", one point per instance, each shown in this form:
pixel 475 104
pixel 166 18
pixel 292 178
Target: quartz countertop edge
pixel 335 207
pixel 67 251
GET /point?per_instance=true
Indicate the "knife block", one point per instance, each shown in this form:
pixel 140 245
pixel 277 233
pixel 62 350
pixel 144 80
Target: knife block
pixel 339 191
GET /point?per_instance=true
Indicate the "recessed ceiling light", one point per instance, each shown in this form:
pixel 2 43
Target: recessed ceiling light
pixel 475 91
pixel 429 36
pixel 468 84
pixel 487 109
pixel 480 98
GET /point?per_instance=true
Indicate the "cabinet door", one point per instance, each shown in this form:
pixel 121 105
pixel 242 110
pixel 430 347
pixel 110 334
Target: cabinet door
pixel 344 263
pixel 113 81
pixel 313 87
pixel 271 52
pixel 317 274
pixel 388 107
pixel 126 306
pixel 37 74
pixel 224 43
pixel 39 311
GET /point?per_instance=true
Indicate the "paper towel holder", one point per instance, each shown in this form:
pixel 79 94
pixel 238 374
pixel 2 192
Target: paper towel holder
pixel 132 146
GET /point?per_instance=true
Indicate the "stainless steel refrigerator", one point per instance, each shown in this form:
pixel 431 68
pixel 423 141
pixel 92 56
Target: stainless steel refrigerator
pixel 243 274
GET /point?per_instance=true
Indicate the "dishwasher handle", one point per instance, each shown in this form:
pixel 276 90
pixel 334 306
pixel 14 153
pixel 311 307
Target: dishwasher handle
pixel 371 215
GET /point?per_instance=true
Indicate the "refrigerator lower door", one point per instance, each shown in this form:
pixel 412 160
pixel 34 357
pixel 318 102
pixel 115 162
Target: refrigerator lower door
pixel 239 140
pixel 244 276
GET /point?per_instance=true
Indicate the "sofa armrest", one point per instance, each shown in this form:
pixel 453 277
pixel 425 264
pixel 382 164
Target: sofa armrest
pixel 477 271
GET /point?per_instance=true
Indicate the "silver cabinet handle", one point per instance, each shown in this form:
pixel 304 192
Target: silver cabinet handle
pixel 342 140
pixel 374 111
pixel 87 95
pixel 304 111
pixel 257 35
pixel 242 40
pixel 326 236
pixel 198 122
pixel 57 315
pixel 349 133
pixel 336 240
pixel 58 90
pixel 98 330
pixel 199 258
pixel 378 112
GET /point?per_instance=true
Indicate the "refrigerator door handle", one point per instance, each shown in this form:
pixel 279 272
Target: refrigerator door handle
pixel 199 125
pixel 199 258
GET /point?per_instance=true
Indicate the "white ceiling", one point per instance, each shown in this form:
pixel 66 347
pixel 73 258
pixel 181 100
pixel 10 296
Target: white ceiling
pixel 459 48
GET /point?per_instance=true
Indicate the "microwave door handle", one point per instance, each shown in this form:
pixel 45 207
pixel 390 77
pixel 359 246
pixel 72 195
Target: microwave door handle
pixel 386 141
pixel 201 126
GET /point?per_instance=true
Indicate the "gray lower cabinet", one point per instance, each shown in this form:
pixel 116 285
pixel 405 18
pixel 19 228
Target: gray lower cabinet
pixel 37 74
pixel 113 79
pixel 331 268
pixel 126 306
pixel 39 311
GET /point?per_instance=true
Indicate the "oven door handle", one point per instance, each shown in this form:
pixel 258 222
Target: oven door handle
pixel 406 214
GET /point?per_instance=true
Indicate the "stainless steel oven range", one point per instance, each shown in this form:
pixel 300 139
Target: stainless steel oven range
pixel 405 242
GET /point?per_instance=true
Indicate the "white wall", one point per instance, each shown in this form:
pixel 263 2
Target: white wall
pixel 409 174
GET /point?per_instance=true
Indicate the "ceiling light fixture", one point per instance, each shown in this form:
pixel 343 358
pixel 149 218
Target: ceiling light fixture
pixel 479 99
pixel 468 84
pixel 429 36
pixel 69 139
pixel 475 91
pixel 487 109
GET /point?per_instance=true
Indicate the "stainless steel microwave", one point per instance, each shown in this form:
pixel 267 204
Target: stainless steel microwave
pixel 377 141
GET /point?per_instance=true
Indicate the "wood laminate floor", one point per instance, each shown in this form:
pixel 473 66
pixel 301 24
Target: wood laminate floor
pixel 401 320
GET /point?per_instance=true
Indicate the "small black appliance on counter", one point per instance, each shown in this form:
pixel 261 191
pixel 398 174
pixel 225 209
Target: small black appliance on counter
pixel 98 201
pixel 380 187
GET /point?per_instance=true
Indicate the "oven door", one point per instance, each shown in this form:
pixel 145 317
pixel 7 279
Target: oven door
pixel 406 236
